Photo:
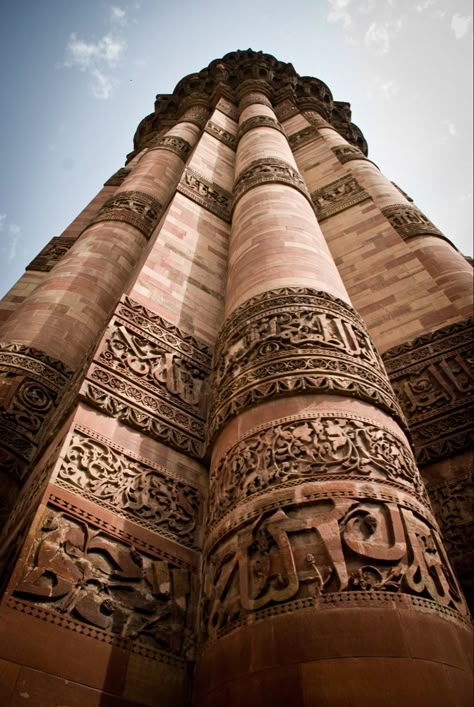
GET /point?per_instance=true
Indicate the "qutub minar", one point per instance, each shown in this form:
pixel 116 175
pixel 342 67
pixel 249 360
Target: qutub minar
pixel 214 387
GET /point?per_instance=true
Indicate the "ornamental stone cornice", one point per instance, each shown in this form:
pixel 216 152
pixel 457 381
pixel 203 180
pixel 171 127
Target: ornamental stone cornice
pixel 233 77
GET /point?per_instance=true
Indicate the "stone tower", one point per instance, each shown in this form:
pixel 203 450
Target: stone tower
pixel 214 386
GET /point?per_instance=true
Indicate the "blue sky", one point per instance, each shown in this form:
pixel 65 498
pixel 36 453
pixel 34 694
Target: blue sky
pixel 78 75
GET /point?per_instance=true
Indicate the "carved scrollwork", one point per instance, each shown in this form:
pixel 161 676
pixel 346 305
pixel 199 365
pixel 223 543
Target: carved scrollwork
pixel 228 108
pixel 133 207
pixel 347 153
pixel 268 170
pixel 303 137
pixel 51 254
pixel 433 377
pixel 146 494
pixel 205 193
pixel 295 340
pixel 172 143
pixel 453 503
pixel 286 109
pixel 319 549
pixel 306 448
pixel 338 196
pixel 408 221
pixel 81 573
pixel 259 121
pixel 152 376
pixel 221 134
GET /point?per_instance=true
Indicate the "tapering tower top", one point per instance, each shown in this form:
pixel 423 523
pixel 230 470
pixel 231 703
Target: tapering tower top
pixel 242 71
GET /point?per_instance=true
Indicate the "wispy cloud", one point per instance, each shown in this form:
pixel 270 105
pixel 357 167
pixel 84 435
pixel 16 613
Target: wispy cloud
pixel 117 16
pixel 460 25
pixel 451 128
pixel 378 37
pixel 382 88
pixel 338 12
pixel 14 237
pixel 2 221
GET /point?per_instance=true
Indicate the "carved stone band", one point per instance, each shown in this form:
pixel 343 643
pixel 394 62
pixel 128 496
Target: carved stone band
pixel 195 118
pixel 118 177
pixel 205 193
pixel 337 196
pixel 134 207
pixel 152 376
pixel 303 137
pixel 173 143
pixel 408 221
pixel 433 378
pixel 328 541
pixel 221 134
pixel 346 153
pixel 293 341
pixel 285 109
pixel 310 447
pixel 31 383
pixel 269 170
pixel 51 254
pixel 259 121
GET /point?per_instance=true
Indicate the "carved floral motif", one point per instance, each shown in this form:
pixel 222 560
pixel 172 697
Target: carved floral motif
pixel 307 448
pixel 338 196
pixel 294 340
pixel 268 170
pixel 205 193
pixel 318 549
pixel 453 505
pixel 133 207
pixel 80 572
pixel 148 495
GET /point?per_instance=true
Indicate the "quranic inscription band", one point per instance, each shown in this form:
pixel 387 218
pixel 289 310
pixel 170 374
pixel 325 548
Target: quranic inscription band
pixel 293 341
pixel 316 551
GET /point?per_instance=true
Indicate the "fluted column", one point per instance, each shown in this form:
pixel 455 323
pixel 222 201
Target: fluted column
pixel 323 564
pixel 51 334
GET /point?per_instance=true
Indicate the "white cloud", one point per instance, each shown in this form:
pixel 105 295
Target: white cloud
pixel 383 88
pixel 338 12
pixel 13 238
pixel 96 59
pixel 117 16
pixel 460 25
pixel 424 5
pixel 379 36
pixel 2 221
pixel 450 127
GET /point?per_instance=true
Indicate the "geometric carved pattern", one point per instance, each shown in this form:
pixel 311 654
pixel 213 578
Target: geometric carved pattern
pixel 303 137
pixel 310 447
pixel 338 196
pixel 268 170
pixel 151 376
pixel 295 340
pixel 326 541
pixel 205 193
pixel 81 573
pixel 30 384
pixel 258 121
pixel 222 135
pixel 51 254
pixel 172 143
pixel 146 494
pixel 408 221
pixel 136 208
pixel 433 378
pixel 346 153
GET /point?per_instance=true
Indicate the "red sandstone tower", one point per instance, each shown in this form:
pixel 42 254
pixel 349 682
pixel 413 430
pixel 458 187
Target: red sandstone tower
pixel 209 487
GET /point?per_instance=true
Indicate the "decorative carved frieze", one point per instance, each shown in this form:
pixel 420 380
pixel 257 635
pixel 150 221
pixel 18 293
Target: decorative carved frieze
pixel 295 340
pixel 152 376
pixel 146 493
pixel 134 207
pixel 321 546
pixel 310 447
pixel 346 153
pixel 268 170
pixel 254 96
pixel 303 137
pixel 30 384
pixel 221 134
pixel 205 193
pixel 118 177
pixel 51 254
pixel 338 196
pixel 259 121
pixel 453 504
pixel 195 118
pixel 85 576
pixel 408 221
pixel 433 378
pixel 172 143
pixel 228 108
pixel 285 109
